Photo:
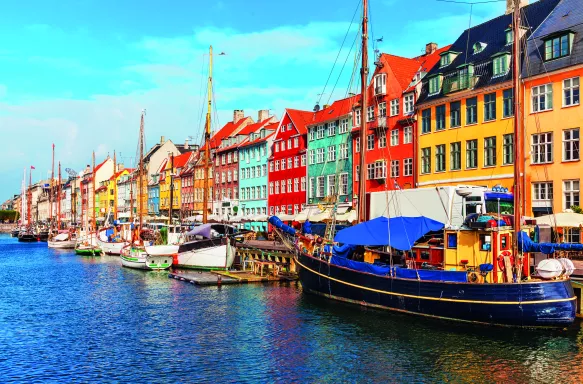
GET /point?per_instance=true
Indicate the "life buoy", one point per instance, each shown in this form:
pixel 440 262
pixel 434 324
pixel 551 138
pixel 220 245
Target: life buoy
pixel 500 259
pixel 473 277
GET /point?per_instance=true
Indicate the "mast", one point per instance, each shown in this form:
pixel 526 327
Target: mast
pixel 51 189
pixel 363 83
pixel 23 198
pixel 207 139
pixel 171 189
pixel 141 169
pixel 29 199
pixel 93 190
pixel 517 132
pixel 114 186
pixel 59 192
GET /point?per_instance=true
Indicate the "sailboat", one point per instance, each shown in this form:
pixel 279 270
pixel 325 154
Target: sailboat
pixel 61 239
pixel 28 235
pixel 484 274
pixel 211 246
pixel 87 245
pixel 134 255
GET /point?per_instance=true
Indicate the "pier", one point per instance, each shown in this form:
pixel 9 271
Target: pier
pixel 217 278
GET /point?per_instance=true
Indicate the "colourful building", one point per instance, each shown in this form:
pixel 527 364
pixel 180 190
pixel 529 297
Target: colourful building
pixel 199 182
pixel 330 154
pixel 466 107
pixel 253 154
pixel 287 164
pixel 553 113
pixel 187 186
pixel 170 174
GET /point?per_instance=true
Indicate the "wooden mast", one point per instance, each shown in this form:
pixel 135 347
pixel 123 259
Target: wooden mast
pixel 114 186
pixel 207 140
pixel 518 145
pixel 363 84
pixel 171 189
pixel 59 192
pixel 29 199
pixel 93 190
pixel 140 171
pixel 51 190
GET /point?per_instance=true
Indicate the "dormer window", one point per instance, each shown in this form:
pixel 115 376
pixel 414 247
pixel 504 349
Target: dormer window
pixel 447 58
pixel 558 46
pixel 500 64
pixel 435 84
pixel 509 36
pixel 479 47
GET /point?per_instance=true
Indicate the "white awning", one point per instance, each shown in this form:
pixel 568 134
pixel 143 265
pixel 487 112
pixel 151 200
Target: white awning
pixel 563 219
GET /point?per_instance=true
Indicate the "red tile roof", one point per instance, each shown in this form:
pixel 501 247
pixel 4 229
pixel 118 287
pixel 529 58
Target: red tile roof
pixel 254 127
pixel 338 108
pixel 117 174
pixel 300 119
pixel 247 143
pixel 227 130
pixel 181 160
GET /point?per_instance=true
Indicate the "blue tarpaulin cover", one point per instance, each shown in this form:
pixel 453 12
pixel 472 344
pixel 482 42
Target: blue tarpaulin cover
pixel 307 227
pixel 398 232
pixel 525 244
pixel 344 250
pixel 360 266
pixel 431 275
pixel 276 222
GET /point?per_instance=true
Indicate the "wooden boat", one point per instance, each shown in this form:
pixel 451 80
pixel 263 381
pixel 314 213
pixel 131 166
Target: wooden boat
pixel 212 247
pixel 87 246
pixel 27 236
pixel 136 257
pixel 112 245
pixel 65 240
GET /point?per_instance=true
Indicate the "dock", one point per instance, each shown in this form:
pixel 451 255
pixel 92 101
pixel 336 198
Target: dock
pixel 216 278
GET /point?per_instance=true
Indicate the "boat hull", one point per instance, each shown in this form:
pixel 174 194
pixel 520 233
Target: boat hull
pixel 549 304
pixel 27 238
pixel 218 256
pixel 111 248
pixel 140 259
pixel 65 244
pixel 88 251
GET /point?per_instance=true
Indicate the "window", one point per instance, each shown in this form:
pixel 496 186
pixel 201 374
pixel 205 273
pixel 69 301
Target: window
pixel 303 184
pixel 452 240
pixel 383 108
pixel 296 184
pixel 508 102
pixel 332 129
pixel 229 176
pixel 370 142
pixel 377 170
pixel 357 117
pixel 357 144
pixel 426 121
pixel 407 135
pixel 571 92
pixel 434 85
pixel 370 113
pixel 571 144
pixel 263 170
pixel 408 104
pixel 356 173
pixel 440 117
pixel 542 98
pixel 303 160
pixel 296 142
pixel 343 151
pixel 332 153
pixel 444 60
pixel 296 161
pixel 425 160
pixel 490 107
pixel 455 114
pixel 408 167
pixel 472 154
pixel 277 147
pixel 343 126
pixel 331 185
pixel 283 146
pixel 312 156
pixel 570 193
pixel 229 157
pixel 508 149
pixel 394 168
pixel 271 188
pixel 383 139
pixel 283 190
pixel 289 126
pixel 296 208
pixel 500 65
pixel 277 187
pixel 455 150
pixel 320 155
pixel 542 148
pixel 394 107
pixel 343 184
pixel 440 158
pixel 394 138
pixel 543 191
pixel 312 186
pixel 557 47
pixel 509 36
pixel 289 163
pixel 276 165
pixel 380 82
pixel 490 151
pixel 320 187
pixel 320 132
pixel 312 132
pixel 472 110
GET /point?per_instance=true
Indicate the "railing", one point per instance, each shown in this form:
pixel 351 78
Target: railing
pixel 458 83
pixel 382 122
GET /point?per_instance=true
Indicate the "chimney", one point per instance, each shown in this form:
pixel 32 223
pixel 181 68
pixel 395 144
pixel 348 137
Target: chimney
pixel 186 144
pixel 120 167
pixel 510 5
pixel 432 47
pixel 263 114
pixel 238 114
pixel 162 139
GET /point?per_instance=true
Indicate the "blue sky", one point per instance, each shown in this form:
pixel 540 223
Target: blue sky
pixel 78 72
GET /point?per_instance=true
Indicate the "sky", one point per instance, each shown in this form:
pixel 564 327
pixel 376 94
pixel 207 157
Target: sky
pixel 78 73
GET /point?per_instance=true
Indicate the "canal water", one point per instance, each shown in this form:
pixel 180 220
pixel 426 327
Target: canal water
pixel 70 318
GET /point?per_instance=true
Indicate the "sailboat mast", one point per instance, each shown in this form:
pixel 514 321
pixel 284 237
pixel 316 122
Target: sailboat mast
pixel 171 189
pixel 51 190
pixel 141 169
pixel 93 191
pixel 517 127
pixel 363 83
pixel 23 198
pixel 114 186
pixel 207 139
pixel 29 199
pixel 59 191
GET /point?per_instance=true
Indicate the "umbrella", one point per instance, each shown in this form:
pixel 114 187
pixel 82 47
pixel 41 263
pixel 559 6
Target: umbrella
pixel 563 219
pixel 398 232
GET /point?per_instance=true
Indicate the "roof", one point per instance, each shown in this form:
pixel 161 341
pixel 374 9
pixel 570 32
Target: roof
pixel 102 188
pixel 258 140
pixel 226 131
pixel 254 127
pixel 118 173
pixel 566 16
pixel 492 33
pixel 336 110
pixel 97 167
pixel 181 160
pixel 300 119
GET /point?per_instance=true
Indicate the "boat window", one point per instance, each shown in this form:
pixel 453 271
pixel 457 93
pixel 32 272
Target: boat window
pixel 504 242
pixel 424 255
pixel 506 206
pixel 452 240
pixel 485 242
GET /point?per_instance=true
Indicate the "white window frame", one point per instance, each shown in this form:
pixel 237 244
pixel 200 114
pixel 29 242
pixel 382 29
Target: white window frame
pixel 343 184
pixel 343 128
pixel 394 168
pixel 571 145
pixel 320 186
pixel 571 188
pixel 408 104
pixel 370 113
pixel 331 185
pixel 408 167
pixel 331 153
pixel 538 92
pixel 394 137
pixel 547 145
pixel 571 88
pixel 394 107
pixel 407 135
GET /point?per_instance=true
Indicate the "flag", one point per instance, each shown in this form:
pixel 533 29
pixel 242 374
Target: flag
pixel 32 167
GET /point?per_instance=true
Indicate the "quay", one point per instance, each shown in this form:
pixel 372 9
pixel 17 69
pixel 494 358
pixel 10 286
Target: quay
pixel 216 278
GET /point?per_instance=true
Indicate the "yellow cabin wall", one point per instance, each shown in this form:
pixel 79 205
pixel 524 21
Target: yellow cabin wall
pixel 482 175
pixel 468 248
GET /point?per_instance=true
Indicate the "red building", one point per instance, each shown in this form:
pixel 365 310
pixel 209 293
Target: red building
pixel 391 124
pixel 187 186
pixel 286 175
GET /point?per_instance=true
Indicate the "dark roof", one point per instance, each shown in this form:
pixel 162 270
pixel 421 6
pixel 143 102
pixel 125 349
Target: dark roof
pixel 567 16
pixel 493 34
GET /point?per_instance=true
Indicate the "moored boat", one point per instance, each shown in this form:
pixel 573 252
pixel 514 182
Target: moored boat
pixel 64 240
pixel 136 257
pixel 87 246
pixel 211 247
pixel 27 236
